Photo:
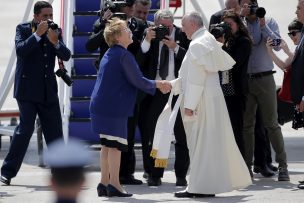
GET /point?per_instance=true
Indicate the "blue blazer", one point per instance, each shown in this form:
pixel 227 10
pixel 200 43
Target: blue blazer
pixel 35 79
pixel 118 79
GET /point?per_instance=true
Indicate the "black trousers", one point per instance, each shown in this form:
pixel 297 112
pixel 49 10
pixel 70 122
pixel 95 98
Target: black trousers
pixel 262 149
pixel 182 160
pixel 128 159
pixel 51 124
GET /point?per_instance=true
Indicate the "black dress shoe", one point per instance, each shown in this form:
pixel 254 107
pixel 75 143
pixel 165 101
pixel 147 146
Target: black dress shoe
pixel 186 194
pixel 301 186
pixel 272 167
pixel 263 170
pixel 181 182
pixel 154 181
pixel 113 192
pixel 101 190
pixel 130 181
pixel 146 175
pixel 5 180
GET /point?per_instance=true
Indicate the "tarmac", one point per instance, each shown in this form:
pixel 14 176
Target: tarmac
pixel 31 183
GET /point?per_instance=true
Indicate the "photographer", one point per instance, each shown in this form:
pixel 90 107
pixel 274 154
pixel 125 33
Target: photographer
pixel 262 88
pixel 162 52
pixel 137 26
pixel 234 82
pixel 95 41
pixel 35 90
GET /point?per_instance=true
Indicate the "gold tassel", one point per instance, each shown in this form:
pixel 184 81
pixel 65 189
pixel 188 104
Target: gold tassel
pixel 153 153
pixel 161 163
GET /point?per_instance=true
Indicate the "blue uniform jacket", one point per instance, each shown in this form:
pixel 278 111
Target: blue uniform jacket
pixel 35 79
pixel 118 79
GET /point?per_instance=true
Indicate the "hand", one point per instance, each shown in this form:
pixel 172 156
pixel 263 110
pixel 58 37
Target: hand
pixel 52 36
pixel 262 22
pixel 150 34
pixel 106 15
pixel 245 11
pixel 171 44
pixel 188 112
pixel 300 107
pixel 42 28
pixel 164 86
pixel 268 44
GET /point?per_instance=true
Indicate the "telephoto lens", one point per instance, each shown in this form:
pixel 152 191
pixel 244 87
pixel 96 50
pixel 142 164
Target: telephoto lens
pixel 62 72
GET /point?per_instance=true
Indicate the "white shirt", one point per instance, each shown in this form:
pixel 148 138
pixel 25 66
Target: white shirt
pixel 145 46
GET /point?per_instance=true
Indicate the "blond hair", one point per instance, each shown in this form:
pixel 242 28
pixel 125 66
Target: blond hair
pixel 113 31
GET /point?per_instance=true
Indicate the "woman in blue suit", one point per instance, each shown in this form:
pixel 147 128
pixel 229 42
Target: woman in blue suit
pixel 113 100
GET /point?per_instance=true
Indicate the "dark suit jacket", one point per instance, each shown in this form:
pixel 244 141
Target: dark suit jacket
pixel 35 79
pixel 297 75
pixel 148 61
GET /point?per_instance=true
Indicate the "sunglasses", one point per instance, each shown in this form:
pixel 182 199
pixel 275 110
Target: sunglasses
pixel 292 33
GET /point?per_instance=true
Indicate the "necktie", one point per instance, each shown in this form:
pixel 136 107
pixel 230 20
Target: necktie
pixel 164 62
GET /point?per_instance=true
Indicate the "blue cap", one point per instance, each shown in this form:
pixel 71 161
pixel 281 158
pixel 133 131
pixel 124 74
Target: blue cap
pixel 64 155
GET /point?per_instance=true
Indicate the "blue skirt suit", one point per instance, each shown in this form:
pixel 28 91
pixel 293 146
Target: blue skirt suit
pixel 114 95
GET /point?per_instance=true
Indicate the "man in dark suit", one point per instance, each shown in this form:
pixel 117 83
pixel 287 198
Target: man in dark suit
pixel 154 55
pixel 95 41
pixel 297 71
pixel 35 88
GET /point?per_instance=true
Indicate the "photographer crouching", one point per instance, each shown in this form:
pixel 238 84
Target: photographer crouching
pixel 37 45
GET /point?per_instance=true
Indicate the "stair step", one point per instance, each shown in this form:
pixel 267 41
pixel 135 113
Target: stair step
pixel 86 13
pixel 85 66
pixel 81 128
pixel 84 23
pixel 79 43
pixel 83 85
pixel 80 107
pixel 87 5
pixel 85 56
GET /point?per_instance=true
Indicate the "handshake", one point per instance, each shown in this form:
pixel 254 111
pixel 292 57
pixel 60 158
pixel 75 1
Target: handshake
pixel 164 86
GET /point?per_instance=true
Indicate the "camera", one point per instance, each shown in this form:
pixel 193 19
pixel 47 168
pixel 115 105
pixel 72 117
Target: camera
pixel 115 6
pixel 52 25
pixel 62 73
pixel 160 32
pixel 276 42
pixel 260 12
pixel 218 30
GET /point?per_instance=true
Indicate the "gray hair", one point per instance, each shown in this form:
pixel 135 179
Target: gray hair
pixel 196 18
pixel 144 2
pixel 163 14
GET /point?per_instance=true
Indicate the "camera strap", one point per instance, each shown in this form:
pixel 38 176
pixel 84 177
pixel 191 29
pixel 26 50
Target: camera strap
pixel 60 63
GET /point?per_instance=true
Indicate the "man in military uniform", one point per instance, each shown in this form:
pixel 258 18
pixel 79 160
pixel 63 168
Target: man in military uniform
pixel 35 88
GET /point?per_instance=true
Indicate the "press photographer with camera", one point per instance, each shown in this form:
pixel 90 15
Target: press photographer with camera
pixel 234 82
pixel 123 9
pixel 162 52
pixel 262 87
pixel 35 89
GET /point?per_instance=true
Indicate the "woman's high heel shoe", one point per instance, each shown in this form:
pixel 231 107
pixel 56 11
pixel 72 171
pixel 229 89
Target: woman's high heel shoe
pixel 101 190
pixel 114 192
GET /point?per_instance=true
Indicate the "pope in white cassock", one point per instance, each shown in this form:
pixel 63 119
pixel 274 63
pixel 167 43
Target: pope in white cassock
pixel 216 164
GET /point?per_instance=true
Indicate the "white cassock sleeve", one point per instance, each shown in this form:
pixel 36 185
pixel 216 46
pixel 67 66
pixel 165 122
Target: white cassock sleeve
pixel 201 59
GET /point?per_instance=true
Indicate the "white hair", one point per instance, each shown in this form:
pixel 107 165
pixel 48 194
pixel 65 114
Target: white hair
pixel 196 18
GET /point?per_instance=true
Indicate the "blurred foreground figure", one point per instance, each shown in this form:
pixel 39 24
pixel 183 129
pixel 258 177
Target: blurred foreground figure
pixel 67 163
